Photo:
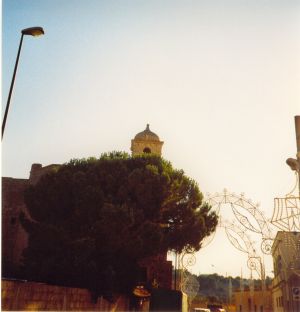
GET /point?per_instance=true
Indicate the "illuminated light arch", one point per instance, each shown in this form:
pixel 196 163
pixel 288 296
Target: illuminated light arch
pixel 240 204
pixel 235 234
pixel 286 213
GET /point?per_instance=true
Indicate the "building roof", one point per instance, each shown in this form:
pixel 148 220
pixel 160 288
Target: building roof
pixel 288 239
pixel 147 135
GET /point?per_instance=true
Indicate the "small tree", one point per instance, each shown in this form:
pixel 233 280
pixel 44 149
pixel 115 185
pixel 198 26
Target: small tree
pixel 92 220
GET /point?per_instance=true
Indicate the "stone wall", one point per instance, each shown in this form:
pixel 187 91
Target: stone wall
pixel 138 147
pixel 14 237
pixel 258 300
pixel 30 296
pixel 37 171
pixel 158 270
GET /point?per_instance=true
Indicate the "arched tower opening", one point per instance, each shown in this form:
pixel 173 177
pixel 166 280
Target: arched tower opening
pixel 147 150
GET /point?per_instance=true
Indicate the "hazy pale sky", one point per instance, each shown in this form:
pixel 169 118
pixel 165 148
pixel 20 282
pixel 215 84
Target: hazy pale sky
pixel 218 81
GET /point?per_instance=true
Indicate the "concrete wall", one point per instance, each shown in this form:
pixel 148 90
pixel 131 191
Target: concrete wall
pixel 30 296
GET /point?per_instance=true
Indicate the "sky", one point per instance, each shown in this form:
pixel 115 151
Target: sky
pixel 218 82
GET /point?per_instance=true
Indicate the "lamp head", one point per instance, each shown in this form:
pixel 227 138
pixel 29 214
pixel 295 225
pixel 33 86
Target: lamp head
pixel 33 31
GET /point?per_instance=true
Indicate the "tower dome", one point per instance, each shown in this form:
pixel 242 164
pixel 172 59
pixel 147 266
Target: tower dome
pixel 147 134
pixel 146 142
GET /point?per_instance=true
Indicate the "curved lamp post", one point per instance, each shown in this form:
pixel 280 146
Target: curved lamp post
pixel 32 31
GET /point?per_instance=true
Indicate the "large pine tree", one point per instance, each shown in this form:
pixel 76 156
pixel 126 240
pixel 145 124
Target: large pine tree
pixel 92 220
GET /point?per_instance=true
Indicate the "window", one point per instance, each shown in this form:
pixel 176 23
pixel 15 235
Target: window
pixel 249 304
pixel 278 265
pixel 147 150
pixel 279 301
pixel 261 308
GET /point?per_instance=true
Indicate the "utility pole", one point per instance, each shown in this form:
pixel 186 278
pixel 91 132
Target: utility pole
pixel 295 163
pixel 297 129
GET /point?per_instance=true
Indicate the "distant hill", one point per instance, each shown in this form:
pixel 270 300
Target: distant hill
pixel 215 288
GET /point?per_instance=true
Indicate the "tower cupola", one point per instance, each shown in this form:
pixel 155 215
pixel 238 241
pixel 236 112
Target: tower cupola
pixel 146 142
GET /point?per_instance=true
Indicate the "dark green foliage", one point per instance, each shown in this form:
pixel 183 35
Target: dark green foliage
pixel 93 220
pixel 215 287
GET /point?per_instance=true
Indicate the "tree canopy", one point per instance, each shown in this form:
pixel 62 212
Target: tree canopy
pixel 92 220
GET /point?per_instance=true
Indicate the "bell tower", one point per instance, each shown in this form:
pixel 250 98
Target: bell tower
pixel 146 142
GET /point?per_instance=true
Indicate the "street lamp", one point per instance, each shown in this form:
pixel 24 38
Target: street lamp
pixel 32 31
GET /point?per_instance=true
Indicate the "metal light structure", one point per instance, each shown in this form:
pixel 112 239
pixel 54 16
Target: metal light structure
pixel 239 205
pixel 32 31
